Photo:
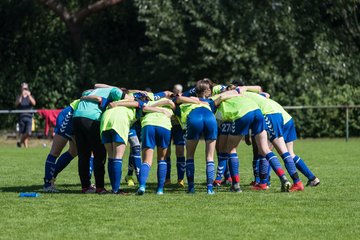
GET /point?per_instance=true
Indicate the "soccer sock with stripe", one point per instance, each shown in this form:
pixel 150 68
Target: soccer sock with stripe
pixel 275 164
pixel 234 167
pixel 181 167
pixel 161 173
pixel 62 162
pixel 49 169
pixel 290 166
pixel 256 168
pixel 190 172
pixel 144 173
pixel 263 170
pixel 210 174
pixel 300 164
pixel 222 162
pixel 136 154
pixel 115 170
pixel 168 170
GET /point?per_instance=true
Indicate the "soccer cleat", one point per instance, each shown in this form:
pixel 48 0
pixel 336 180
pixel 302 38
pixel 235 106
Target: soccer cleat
pixel 50 189
pixel 210 192
pixel 120 192
pixel 130 181
pixel 181 183
pixel 313 183
pixel 191 190
pixel 285 186
pixel 88 190
pixel 236 188
pixel 101 191
pixel 217 183
pixel 140 191
pixel 228 181
pixel 160 191
pixel 253 183
pixel 260 187
pixel 297 187
pixel 167 182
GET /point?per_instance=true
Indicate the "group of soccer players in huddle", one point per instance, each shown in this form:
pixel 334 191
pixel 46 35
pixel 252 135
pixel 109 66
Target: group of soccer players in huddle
pixel 105 119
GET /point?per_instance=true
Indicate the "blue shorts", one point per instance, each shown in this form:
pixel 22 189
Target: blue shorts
pixel 274 125
pixel 152 136
pixel 253 120
pixel 289 131
pixel 201 121
pixel 64 123
pixel 177 135
pixel 225 128
pixel 110 136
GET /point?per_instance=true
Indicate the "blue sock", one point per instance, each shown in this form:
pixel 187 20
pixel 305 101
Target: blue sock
pixel 190 172
pixel 91 164
pixel 234 167
pixel 161 173
pixel 222 162
pixel 168 170
pixel 115 167
pixel 263 170
pixel 62 162
pixel 300 164
pixel 268 175
pixel 181 167
pixel 144 173
pixel 290 166
pixel 256 169
pixel 136 153
pixel 275 164
pixel 227 170
pixel 210 174
pixel 49 169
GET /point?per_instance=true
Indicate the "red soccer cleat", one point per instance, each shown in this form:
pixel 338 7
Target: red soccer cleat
pixel 297 187
pixel 260 187
pixel 217 183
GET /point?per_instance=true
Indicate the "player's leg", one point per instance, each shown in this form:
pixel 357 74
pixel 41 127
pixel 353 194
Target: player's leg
pixel 232 143
pixel 162 138
pixel 57 146
pixel 210 136
pixel 148 145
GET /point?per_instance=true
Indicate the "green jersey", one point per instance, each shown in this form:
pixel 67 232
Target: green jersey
pixel 156 118
pixel 264 104
pixel 185 110
pixel 235 108
pixel 118 119
pixel 90 109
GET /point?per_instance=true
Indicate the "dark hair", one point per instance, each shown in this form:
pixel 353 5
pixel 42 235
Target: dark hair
pixel 124 90
pixel 237 82
pixel 203 85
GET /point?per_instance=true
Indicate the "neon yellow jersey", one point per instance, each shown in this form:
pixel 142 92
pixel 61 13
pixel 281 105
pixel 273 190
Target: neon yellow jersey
pixel 235 108
pixel 264 104
pixel 185 110
pixel 119 119
pixel 286 116
pixel 218 89
pixel 156 118
pixel 74 104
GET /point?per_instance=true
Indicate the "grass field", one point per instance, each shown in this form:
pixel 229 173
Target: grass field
pixel 330 211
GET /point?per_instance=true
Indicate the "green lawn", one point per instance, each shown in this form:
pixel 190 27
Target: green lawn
pixel 330 211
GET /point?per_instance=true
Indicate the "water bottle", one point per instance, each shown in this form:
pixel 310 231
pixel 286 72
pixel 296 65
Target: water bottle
pixel 29 194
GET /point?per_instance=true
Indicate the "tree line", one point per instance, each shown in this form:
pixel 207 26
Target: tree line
pixel 301 52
